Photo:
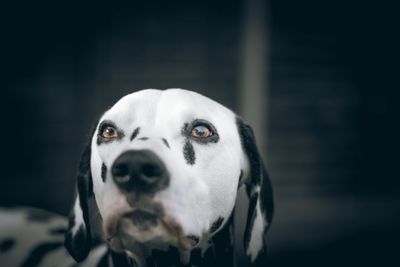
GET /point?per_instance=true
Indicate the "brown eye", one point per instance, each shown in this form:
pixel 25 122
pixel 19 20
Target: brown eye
pixel 201 131
pixel 109 132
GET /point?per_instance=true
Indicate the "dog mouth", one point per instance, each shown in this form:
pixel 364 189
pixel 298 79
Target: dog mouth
pixel 143 229
pixel 142 220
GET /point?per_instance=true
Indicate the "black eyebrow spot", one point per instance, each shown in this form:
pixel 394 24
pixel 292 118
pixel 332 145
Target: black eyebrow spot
pixel 103 172
pixel 185 129
pixel 188 153
pixel 143 138
pixel 165 142
pixel 135 133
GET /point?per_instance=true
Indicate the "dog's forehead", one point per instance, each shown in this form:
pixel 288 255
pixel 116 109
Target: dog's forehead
pixel 166 106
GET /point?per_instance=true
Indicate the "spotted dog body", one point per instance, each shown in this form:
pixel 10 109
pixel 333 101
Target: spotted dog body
pixel 31 237
pixel 163 169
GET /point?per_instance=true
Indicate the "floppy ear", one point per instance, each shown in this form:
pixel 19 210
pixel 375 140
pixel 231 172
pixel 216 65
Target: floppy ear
pixel 78 237
pixel 259 191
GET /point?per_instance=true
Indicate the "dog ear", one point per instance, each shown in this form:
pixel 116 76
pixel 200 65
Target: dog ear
pixel 259 192
pixel 78 238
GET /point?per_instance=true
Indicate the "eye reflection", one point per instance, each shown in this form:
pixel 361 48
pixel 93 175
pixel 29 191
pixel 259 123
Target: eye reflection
pixel 201 131
pixel 109 132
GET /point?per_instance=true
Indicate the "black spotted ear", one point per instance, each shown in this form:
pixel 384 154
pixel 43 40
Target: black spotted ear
pixel 259 191
pixel 78 237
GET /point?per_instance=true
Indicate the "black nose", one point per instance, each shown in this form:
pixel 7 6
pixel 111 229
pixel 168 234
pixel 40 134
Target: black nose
pixel 140 171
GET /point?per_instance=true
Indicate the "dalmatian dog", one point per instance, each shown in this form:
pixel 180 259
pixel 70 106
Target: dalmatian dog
pixel 158 182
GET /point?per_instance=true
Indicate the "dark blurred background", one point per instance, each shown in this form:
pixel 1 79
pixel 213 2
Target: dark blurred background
pixel 317 80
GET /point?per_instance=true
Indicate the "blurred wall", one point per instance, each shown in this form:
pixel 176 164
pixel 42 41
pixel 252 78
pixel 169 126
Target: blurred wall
pixel 67 64
pixel 332 144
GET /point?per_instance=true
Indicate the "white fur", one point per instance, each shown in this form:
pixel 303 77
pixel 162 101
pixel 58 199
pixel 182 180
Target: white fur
pixel 78 216
pixel 257 234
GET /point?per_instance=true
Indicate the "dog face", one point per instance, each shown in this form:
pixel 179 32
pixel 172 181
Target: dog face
pixel 197 151
pixel 164 168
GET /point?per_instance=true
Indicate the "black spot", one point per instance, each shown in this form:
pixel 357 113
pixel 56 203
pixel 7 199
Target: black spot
pixel 165 142
pixel 97 241
pixel 38 215
pixel 103 172
pixel 258 174
pixel 249 145
pixel 121 259
pixel 143 138
pixel 84 164
pixel 221 251
pixel 188 153
pixel 90 186
pixel 240 179
pixel 215 226
pixel 196 256
pixel 84 177
pixel 185 129
pixel 71 220
pixel 135 133
pixel 78 245
pixel 58 231
pixel 6 245
pixel 104 261
pixel 169 257
pixel 39 252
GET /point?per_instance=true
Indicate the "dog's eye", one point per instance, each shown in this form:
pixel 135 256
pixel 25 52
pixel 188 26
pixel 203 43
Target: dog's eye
pixel 109 132
pixel 201 131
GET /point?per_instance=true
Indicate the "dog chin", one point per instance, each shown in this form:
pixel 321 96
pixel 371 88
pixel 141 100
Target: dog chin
pixel 144 230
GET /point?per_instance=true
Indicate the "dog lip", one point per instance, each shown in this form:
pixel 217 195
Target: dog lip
pixel 140 213
pixel 142 219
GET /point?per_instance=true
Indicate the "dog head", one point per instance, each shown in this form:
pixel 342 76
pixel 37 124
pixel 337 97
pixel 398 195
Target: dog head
pixel 164 168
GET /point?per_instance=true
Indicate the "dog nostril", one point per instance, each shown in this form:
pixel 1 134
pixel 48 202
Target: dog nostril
pixel 151 171
pixel 121 173
pixel 120 170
